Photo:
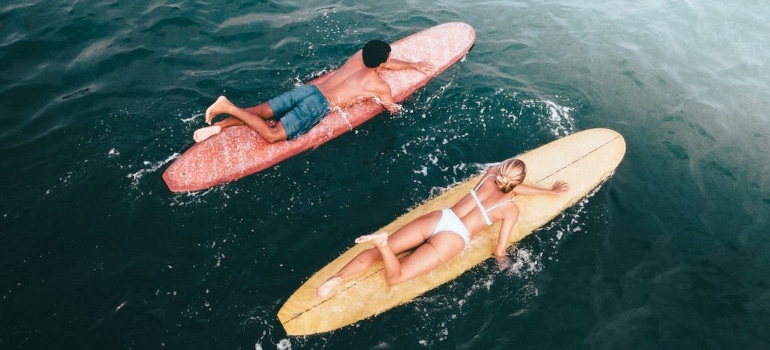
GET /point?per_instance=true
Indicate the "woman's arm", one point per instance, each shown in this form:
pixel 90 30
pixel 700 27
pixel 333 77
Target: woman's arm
pixel 558 187
pixel 505 231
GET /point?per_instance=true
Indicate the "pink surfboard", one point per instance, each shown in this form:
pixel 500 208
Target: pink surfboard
pixel 238 151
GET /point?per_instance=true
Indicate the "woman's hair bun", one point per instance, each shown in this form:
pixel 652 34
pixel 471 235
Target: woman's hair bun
pixel 512 173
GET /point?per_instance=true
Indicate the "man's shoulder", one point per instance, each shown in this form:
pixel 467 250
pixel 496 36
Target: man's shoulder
pixel 354 62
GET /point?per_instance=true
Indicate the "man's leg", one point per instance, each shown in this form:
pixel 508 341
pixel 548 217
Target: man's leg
pixel 209 131
pixel 262 110
pixel 271 133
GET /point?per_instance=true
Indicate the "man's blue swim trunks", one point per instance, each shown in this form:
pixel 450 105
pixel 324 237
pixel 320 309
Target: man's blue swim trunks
pixel 299 109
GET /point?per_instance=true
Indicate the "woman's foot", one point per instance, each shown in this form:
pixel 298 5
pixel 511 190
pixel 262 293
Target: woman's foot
pixel 325 288
pixel 378 239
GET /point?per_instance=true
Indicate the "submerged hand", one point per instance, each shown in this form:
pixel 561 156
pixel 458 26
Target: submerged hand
pixel 392 107
pixel 503 262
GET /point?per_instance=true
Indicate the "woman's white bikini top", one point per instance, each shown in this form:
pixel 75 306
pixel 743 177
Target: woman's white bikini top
pixel 485 211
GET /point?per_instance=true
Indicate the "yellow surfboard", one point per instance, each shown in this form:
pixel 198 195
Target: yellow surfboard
pixel 584 160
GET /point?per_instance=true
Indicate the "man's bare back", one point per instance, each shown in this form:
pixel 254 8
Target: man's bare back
pixel 354 83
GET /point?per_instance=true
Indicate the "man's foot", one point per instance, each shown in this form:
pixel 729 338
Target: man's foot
pixel 204 133
pixel 325 288
pixel 378 239
pixel 218 107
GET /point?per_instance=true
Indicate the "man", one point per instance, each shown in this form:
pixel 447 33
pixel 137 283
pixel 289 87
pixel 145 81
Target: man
pixel 299 109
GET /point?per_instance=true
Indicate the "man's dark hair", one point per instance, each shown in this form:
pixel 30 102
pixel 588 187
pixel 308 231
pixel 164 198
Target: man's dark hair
pixel 375 53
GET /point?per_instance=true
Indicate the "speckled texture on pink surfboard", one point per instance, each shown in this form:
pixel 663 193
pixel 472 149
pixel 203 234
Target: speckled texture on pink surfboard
pixel 238 151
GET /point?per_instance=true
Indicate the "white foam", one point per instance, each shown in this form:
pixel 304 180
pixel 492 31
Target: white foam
pixel 192 119
pixel 560 118
pixel 150 167
pixel 283 344
pixel 423 170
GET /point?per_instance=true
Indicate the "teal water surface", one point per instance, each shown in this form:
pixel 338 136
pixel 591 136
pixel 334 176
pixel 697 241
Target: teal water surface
pixel 98 97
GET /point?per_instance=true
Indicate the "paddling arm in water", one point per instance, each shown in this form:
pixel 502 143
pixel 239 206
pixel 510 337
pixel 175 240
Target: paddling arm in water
pixel 295 112
pixel 439 236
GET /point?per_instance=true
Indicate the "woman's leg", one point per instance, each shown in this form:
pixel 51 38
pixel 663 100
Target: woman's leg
pixel 441 247
pixel 408 237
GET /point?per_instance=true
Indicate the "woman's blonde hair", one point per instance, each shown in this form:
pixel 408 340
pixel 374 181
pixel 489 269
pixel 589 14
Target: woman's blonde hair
pixel 512 173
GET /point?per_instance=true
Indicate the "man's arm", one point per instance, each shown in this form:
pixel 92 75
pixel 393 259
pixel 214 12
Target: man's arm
pixel 380 92
pixel 388 104
pixel 395 64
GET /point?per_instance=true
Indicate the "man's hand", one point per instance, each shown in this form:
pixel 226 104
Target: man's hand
pixel 424 67
pixel 392 107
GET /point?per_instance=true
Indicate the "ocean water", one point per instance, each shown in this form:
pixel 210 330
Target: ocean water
pixel 98 97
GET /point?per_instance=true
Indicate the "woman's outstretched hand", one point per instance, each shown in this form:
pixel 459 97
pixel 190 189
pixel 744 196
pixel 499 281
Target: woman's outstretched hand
pixel 560 187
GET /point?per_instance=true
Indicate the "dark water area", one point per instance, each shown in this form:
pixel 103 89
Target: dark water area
pixel 98 97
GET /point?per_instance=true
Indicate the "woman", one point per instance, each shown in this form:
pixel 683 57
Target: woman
pixel 439 236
